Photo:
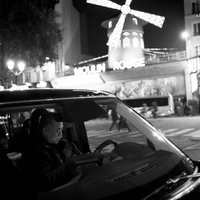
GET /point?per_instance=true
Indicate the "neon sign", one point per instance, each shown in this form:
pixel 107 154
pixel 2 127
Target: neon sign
pixel 90 69
pixel 120 65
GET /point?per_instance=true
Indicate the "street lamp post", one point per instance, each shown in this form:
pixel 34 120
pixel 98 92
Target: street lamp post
pixel 185 35
pixel 16 68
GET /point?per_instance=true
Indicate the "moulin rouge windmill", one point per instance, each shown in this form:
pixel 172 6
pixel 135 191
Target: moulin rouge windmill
pixel 125 41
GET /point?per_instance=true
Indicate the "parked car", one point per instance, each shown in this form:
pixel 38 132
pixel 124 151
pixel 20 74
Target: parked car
pixel 137 164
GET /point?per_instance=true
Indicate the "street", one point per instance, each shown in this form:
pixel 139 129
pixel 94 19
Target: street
pixel 183 131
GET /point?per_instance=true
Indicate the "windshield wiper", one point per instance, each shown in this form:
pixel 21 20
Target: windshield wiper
pixel 181 177
pixel 172 181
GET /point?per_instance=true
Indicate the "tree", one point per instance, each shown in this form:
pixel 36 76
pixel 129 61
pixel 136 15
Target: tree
pixel 29 31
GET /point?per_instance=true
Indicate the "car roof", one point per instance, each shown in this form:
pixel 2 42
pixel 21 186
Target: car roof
pixel 48 96
pixel 48 93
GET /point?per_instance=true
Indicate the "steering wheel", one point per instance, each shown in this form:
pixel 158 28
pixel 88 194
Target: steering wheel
pixel 104 144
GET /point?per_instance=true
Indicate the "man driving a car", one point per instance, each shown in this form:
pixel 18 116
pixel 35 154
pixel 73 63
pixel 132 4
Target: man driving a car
pixel 46 162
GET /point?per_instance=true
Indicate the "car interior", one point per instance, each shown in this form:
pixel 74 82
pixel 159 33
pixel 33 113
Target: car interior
pixel 107 162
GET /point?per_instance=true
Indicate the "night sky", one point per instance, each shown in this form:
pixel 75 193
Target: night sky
pixel 168 36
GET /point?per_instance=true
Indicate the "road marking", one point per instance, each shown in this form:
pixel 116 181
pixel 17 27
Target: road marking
pixel 180 132
pixel 194 133
pixel 189 132
pixel 169 130
pixel 195 146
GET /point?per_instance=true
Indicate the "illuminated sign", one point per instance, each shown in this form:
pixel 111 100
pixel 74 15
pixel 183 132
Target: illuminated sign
pixel 116 65
pixel 90 69
pixel 120 65
pixel 194 65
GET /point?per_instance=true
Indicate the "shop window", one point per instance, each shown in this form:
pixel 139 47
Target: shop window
pixel 27 77
pixel 45 75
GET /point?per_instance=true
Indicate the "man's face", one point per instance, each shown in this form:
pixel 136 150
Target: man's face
pixel 53 132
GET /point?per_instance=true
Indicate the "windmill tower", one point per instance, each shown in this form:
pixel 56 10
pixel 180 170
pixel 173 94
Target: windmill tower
pixel 125 33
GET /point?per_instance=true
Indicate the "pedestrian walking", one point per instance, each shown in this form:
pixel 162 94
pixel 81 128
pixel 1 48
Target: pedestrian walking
pixel 115 118
pixel 154 109
pixel 123 124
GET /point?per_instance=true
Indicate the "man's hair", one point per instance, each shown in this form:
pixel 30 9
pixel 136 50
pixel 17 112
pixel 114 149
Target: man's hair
pixel 47 119
pixel 35 120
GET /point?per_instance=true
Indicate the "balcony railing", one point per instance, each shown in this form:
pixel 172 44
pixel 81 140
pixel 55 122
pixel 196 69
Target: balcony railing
pixel 166 58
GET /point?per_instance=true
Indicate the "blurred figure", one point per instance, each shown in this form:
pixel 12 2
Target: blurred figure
pixel 187 110
pixel 144 109
pixel 123 124
pixel 115 118
pixel 154 109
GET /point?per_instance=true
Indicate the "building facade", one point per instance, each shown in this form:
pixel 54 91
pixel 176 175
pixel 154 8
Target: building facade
pixel 176 73
pixel 192 29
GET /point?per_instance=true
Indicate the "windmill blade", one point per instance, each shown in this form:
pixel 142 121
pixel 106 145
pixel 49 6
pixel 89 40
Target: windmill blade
pixel 105 3
pixel 116 34
pixel 128 2
pixel 151 18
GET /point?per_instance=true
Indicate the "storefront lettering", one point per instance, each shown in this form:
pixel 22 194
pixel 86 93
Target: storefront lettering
pixel 90 69
pixel 120 65
pixel 194 65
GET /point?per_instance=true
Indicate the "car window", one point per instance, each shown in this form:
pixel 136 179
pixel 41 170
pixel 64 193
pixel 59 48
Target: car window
pixel 11 130
pixel 4 136
pixel 111 126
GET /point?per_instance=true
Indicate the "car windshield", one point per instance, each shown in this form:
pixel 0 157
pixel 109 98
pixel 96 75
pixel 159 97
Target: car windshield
pixel 104 119
pixel 129 127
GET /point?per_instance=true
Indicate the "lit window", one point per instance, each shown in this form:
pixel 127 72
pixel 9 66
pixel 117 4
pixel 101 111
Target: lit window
pixel 136 42
pixel 135 21
pixel 142 43
pixel 135 34
pixel 126 42
pixel 110 24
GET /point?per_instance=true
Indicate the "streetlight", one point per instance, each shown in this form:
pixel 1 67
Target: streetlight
pixel 186 36
pixel 16 67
